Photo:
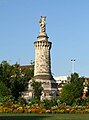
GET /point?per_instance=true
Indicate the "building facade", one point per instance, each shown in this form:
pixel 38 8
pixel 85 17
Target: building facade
pixel 61 80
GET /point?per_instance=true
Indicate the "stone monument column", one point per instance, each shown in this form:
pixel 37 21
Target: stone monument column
pixel 42 67
pixel 42 52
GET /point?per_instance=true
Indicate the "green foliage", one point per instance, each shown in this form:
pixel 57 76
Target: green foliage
pixel 21 101
pixel 33 101
pixel 14 78
pixel 4 91
pixel 5 73
pixel 7 100
pixel 37 88
pixel 17 81
pixel 85 101
pixel 50 103
pixel 73 90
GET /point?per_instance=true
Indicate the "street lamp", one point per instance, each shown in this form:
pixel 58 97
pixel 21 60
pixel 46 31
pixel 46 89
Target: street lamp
pixel 73 61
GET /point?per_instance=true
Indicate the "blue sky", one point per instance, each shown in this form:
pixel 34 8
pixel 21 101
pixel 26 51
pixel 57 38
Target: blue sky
pixel 67 28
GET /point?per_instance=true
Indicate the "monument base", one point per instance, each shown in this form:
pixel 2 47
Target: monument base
pixel 49 87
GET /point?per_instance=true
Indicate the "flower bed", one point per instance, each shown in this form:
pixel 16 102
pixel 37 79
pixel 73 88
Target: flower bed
pixel 40 109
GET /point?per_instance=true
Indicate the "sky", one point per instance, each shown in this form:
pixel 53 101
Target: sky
pixel 67 28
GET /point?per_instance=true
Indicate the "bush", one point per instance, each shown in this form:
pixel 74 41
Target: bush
pixel 50 103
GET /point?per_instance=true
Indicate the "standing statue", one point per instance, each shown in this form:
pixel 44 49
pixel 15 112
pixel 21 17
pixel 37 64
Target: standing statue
pixel 42 24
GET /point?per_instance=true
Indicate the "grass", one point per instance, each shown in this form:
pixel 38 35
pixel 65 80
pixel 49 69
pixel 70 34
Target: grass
pixel 20 116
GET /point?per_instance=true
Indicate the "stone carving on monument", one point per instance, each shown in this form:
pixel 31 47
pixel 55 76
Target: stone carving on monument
pixel 42 67
pixel 42 22
pixel 42 34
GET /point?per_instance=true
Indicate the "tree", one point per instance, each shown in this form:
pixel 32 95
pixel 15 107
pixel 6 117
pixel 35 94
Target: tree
pixel 19 80
pixel 14 78
pixel 5 73
pixel 37 89
pixel 4 91
pixel 73 90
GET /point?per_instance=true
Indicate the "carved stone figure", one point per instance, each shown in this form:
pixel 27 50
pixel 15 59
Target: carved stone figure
pixel 42 22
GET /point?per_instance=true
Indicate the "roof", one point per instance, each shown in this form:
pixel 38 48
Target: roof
pixel 26 66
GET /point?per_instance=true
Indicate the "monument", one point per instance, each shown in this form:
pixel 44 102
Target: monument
pixel 42 67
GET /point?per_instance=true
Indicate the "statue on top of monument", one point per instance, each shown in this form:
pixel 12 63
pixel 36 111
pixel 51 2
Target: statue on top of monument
pixel 42 22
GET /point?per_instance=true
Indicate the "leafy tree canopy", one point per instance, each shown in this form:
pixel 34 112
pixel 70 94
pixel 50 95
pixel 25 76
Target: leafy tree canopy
pixel 14 78
pixel 72 90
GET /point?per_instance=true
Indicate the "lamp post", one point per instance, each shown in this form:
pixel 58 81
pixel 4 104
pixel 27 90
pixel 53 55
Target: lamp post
pixel 73 61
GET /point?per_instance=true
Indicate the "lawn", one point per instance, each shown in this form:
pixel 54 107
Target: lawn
pixel 23 116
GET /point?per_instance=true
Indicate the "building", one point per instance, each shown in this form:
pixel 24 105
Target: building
pixel 85 88
pixel 61 80
pixel 42 67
